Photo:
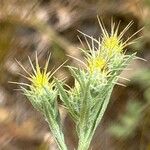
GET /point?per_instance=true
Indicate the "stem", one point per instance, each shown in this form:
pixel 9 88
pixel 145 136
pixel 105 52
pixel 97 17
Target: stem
pixel 84 141
pixel 83 144
pixel 54 127
pixel 57 133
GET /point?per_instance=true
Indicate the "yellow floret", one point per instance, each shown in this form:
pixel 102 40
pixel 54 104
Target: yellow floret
pixel 40 80
pixel 112 44
pixel 96 64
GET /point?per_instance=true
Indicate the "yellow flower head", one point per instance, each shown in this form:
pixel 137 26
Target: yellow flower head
pixel 96 64
pixel 112 43
pixel 39 78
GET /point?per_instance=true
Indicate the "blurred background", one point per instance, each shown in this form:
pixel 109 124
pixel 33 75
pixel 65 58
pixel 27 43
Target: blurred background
pixel 50 26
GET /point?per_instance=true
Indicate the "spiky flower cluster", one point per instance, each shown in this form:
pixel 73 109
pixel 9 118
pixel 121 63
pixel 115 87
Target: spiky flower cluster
pixel 88 99
pixel 43 94
pixel 110 48
pixel 39 84
pixel 40 78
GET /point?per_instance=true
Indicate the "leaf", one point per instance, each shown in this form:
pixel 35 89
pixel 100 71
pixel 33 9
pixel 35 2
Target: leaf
pixel 65 99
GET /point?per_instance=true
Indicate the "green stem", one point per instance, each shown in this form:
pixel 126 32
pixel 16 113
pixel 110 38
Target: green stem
pixel 54 126
pixel 57 133
pixel 83 144
pixel 86 138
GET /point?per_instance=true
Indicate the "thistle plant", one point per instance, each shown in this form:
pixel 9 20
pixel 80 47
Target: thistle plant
pixel 43 94
pixel 87 101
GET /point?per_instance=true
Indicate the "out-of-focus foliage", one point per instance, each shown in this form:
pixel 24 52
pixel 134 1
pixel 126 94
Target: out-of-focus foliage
pixel 142 78
pixel 134 121
pixel 136 116
pixel 128 122
pixel 135 110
